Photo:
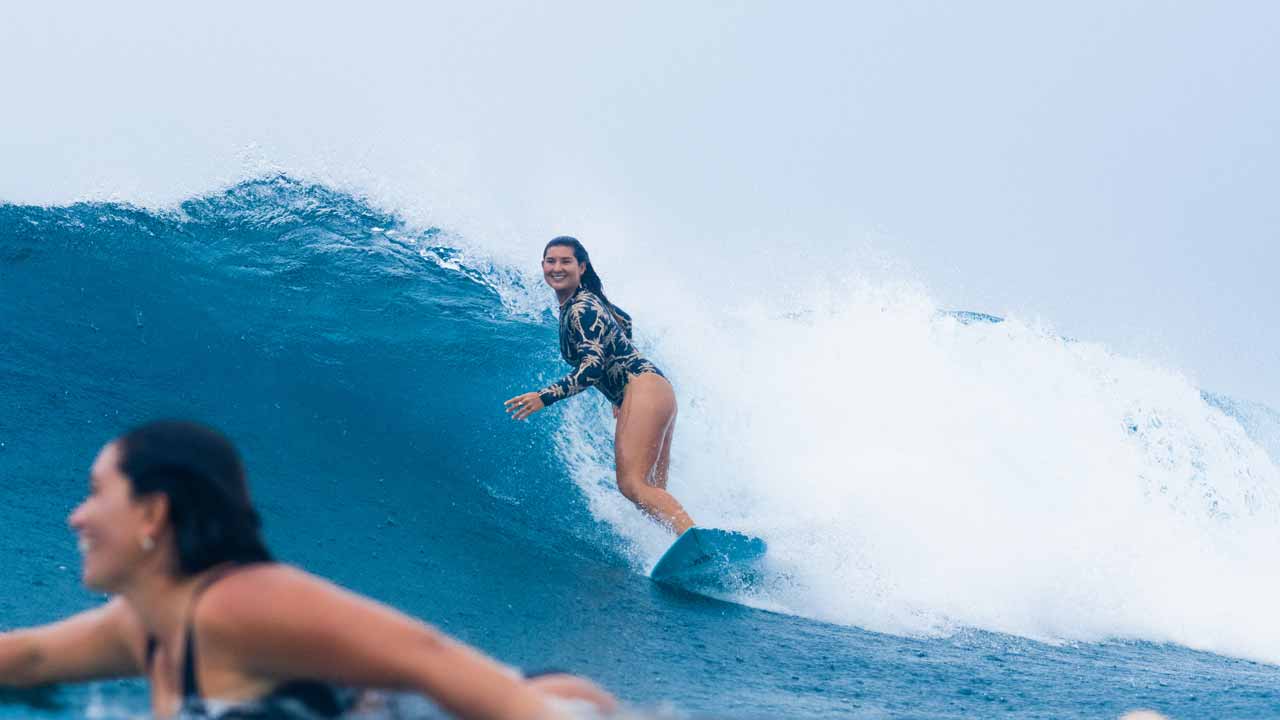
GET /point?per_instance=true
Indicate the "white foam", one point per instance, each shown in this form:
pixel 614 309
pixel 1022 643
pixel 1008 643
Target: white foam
pixel 913 474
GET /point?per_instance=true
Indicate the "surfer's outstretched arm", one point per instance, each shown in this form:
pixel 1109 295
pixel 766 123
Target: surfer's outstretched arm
pixel 92 645
pixel 588 322
pixel 587 328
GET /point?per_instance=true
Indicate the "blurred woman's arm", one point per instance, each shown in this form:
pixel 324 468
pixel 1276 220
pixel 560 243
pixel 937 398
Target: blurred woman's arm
pixel 101 643
pixel 288 625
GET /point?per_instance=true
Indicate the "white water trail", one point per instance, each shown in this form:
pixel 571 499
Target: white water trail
pixel 914 474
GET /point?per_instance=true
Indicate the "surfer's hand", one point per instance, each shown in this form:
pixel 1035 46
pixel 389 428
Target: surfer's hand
pixel 522 406
pixel 616 412
pixel 571 687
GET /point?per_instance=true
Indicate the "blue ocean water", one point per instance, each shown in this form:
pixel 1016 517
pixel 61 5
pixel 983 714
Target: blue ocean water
pixel 360 364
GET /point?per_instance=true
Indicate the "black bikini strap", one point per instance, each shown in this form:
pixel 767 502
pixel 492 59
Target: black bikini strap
pixel 190 684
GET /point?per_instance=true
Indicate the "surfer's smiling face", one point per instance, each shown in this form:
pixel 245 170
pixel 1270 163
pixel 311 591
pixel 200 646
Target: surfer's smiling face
pixel 116 531
pixel 561 269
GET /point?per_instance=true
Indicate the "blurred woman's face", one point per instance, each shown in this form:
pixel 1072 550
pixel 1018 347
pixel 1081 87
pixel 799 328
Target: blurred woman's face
pixel 561 269
pixel 115 530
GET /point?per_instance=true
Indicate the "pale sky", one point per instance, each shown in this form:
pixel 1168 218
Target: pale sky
pixel 1108 167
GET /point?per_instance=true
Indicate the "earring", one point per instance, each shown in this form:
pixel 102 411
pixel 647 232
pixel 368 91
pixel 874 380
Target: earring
pixel 147 543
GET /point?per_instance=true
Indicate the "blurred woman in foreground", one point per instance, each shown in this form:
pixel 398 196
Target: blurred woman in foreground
pixel 218 628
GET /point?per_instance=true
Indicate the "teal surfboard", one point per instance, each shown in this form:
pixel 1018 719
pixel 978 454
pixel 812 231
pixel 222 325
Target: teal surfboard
pixel 710 560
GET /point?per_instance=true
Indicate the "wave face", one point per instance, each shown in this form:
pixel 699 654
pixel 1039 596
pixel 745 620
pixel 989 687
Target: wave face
pixel 340 355
pixel 916 472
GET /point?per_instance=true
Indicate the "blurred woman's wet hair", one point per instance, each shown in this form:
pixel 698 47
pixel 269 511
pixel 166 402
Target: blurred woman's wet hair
pixel 213 519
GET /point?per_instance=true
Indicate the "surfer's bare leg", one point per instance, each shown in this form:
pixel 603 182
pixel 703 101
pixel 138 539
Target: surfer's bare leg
pixel 664 456
pixel 648 412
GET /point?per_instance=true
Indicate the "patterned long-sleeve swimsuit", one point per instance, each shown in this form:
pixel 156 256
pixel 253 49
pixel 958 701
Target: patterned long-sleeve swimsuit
pixel 598 345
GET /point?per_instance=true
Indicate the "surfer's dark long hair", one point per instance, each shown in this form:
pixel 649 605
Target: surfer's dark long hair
pixel 198 468
pixel 590 278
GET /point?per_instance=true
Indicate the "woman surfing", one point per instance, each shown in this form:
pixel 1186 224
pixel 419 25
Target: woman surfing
pixel 595 338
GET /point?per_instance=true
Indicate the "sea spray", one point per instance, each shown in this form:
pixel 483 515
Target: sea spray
pixel 916 474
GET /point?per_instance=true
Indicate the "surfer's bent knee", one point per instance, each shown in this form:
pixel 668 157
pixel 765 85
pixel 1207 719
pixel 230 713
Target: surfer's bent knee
pixel 631 488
